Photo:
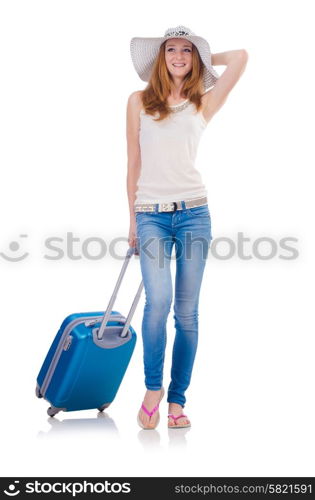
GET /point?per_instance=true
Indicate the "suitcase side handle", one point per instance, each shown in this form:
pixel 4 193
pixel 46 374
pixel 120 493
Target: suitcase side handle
pixel 100 332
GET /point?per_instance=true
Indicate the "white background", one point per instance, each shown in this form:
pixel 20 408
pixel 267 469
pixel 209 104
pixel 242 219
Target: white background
pixel 66 74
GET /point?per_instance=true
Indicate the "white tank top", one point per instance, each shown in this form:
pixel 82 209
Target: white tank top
pixel 168 152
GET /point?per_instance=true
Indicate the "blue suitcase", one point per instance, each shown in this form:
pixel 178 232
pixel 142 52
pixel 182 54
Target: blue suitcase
pixel 89 356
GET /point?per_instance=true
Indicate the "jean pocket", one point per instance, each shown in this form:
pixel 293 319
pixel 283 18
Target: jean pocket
pixel 202 211
pixel 142 216
pixel 138 216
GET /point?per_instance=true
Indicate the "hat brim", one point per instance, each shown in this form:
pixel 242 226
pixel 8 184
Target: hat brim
pixel 144 51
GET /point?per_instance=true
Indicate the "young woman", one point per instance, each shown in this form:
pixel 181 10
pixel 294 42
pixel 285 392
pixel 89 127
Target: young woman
pixel 168 200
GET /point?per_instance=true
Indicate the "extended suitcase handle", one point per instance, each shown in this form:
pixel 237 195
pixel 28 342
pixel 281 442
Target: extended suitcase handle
pixel 124 333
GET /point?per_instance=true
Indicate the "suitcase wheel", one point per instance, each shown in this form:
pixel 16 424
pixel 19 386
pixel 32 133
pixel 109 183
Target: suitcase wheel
pixel 102 408
pixel 52 411
pixel 37 392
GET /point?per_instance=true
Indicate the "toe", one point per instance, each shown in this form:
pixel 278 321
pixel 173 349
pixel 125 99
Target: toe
pixel 182 421
pixel 149 422
pixel 143 418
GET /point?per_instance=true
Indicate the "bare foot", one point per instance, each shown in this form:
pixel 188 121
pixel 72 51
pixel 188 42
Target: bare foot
pixel 176 409
pixel 151 399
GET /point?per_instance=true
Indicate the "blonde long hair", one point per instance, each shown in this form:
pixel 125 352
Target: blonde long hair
pixel 154 96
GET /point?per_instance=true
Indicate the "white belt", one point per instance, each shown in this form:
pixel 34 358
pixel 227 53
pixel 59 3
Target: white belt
pixel 171 206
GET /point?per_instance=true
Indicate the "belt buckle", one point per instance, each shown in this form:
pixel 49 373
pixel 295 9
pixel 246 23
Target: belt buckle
pixel 167 207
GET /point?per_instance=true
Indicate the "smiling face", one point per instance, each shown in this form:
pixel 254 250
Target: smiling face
pixel 178 57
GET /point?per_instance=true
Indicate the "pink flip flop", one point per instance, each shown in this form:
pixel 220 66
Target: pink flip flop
pixel 177 426
pixel 150 413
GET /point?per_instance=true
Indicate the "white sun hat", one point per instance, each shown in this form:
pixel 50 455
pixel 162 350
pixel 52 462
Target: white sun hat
pixel 145 50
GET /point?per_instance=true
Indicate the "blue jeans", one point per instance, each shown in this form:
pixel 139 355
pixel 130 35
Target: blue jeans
pixel 190 230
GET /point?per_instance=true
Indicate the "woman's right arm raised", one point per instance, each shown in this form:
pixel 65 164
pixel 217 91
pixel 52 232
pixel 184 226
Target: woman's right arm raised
pixel 134 158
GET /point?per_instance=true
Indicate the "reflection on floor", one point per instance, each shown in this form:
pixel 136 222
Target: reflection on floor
pixel 104 424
